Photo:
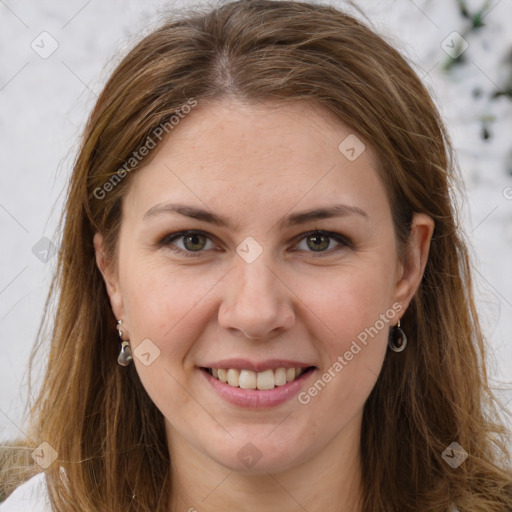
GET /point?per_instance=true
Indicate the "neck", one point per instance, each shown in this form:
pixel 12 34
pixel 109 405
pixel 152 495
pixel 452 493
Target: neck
pixel 329 481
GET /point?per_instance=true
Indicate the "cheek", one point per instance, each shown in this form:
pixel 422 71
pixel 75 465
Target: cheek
pixel 163 303
pixel 356 315
pixel 351 302
pixel 161 307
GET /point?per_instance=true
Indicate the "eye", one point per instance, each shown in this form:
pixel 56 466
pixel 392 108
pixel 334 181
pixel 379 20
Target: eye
pixel 320 241
pixel 194 242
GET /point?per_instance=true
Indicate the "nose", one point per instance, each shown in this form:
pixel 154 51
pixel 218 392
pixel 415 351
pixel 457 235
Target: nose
pixel 257 304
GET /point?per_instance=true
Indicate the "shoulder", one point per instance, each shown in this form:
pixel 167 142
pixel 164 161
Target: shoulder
pixel 32 496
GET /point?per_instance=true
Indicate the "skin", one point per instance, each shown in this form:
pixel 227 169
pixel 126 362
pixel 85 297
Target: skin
pixel 254 164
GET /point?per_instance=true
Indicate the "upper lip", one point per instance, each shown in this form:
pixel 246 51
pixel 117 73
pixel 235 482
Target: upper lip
pixel 256 366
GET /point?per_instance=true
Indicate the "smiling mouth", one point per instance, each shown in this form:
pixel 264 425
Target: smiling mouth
pixel 247 379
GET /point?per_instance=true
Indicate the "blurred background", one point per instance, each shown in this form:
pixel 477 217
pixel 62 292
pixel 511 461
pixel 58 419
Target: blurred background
pixel 55 57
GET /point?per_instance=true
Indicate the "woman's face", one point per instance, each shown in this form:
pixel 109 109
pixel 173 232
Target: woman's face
pixel 251 290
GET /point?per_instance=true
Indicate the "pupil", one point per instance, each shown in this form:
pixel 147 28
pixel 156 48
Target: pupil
pixel 316 242
pixel 193 237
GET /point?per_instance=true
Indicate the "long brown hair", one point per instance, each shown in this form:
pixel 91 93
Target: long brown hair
pixel 108 434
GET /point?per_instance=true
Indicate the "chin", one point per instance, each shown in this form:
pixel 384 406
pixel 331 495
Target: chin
pixel 257 456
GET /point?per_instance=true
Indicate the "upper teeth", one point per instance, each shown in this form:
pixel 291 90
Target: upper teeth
pixel 247 379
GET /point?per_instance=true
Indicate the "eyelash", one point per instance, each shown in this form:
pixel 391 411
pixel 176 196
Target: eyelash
pixel 166 241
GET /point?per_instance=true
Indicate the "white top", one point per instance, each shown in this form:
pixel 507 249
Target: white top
pixel 31 496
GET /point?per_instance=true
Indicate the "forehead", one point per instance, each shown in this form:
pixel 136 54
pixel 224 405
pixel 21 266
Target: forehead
pixel 260 156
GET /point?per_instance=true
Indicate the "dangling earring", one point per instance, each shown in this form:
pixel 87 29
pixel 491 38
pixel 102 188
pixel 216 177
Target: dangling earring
pixel 397 339
pixel 125 355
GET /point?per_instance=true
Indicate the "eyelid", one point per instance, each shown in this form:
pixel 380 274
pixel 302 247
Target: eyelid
pixel 343 240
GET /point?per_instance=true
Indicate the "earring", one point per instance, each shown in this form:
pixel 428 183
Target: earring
pixel 125 355
pixel 397 339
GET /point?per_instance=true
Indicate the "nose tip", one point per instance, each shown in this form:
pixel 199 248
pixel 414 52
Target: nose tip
pixel 254 304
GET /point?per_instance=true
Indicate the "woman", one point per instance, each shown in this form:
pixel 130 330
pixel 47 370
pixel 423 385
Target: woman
pixel 264 299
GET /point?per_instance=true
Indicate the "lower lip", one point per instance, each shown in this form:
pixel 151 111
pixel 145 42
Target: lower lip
pixel 254 399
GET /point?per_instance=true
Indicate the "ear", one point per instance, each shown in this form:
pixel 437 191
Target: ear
pixel 416 256
pixel 109 276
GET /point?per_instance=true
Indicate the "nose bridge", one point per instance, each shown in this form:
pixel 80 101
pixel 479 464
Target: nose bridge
pixel 256 302
pixel 256 280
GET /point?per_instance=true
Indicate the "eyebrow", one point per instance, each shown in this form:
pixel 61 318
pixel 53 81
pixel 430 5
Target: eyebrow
pixel 336 210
